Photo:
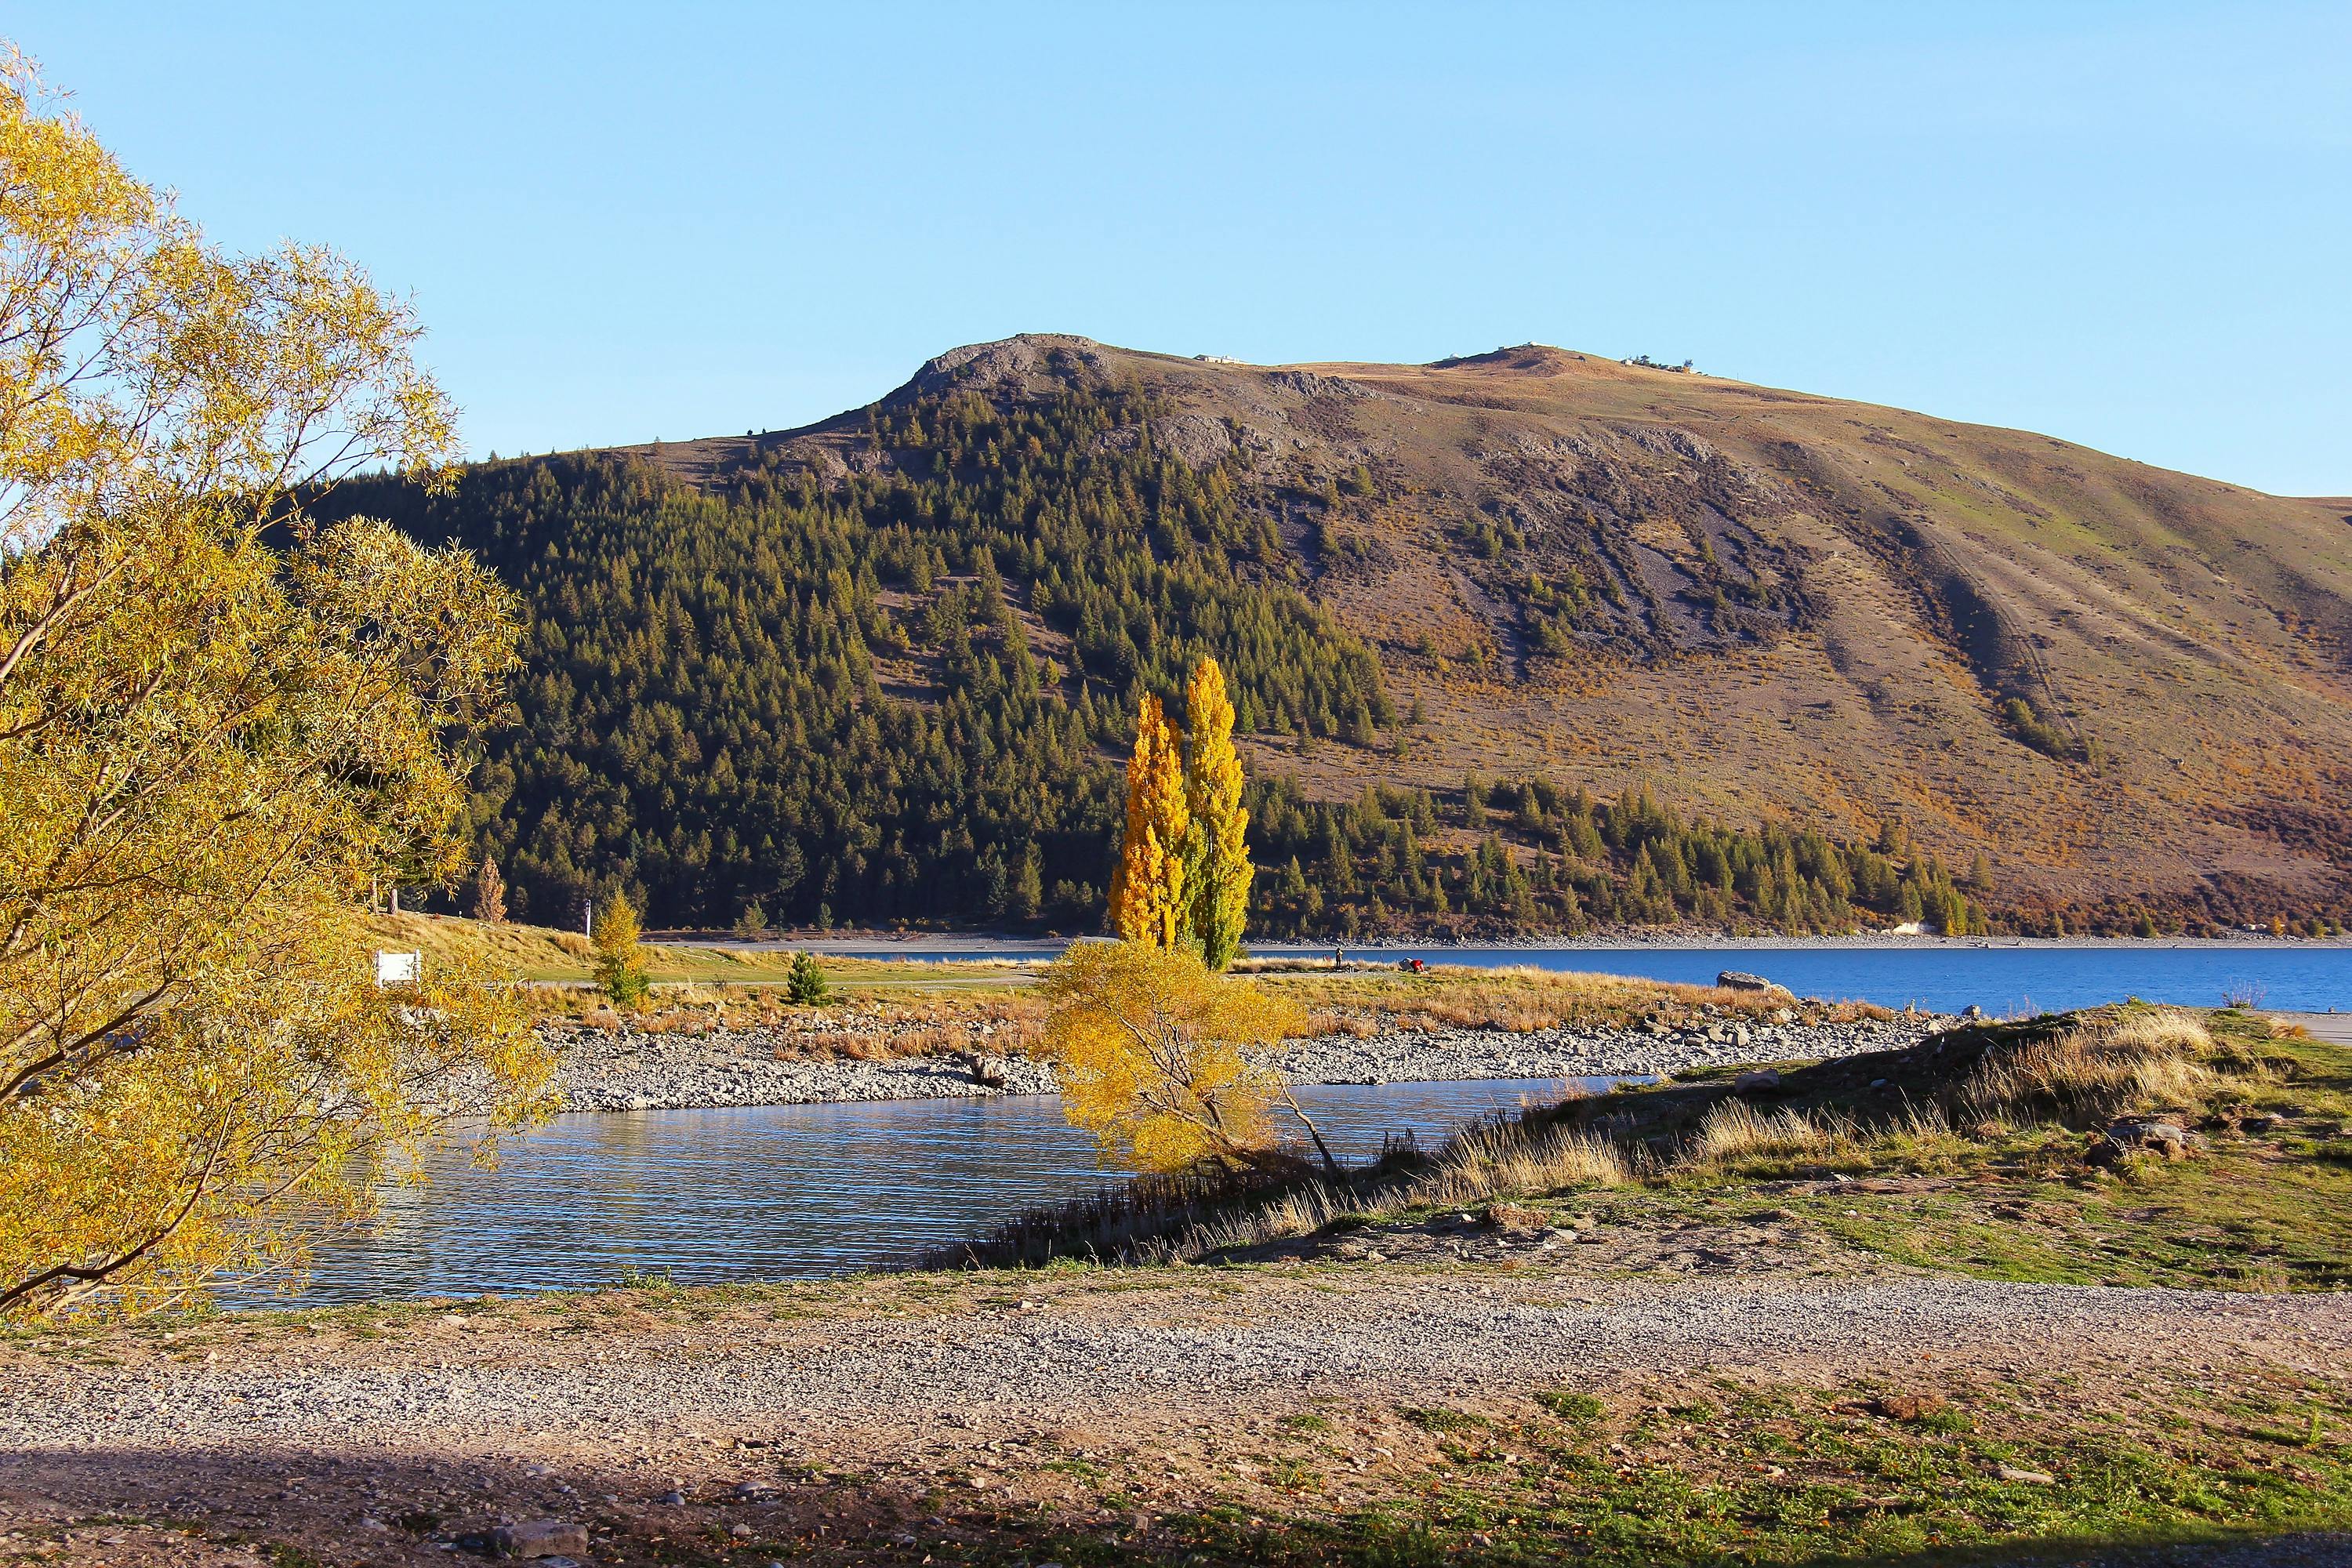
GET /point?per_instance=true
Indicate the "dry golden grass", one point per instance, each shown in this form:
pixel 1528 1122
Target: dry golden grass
pixel 1736 1131
pixel 1507 1160
pixel 1522 999
pixel 1481 1165
pixel 1324 1023
pixel 527 952
pixel 1489 1161
pixel 2141 1059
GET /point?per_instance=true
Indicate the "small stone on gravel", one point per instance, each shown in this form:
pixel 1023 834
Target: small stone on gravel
pixel 539 1538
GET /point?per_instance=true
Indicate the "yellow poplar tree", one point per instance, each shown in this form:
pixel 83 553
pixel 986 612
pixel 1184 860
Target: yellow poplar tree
pixel 1147 889
pixel 1216 862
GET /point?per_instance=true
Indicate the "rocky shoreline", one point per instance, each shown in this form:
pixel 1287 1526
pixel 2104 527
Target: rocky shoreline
pixel 626 1069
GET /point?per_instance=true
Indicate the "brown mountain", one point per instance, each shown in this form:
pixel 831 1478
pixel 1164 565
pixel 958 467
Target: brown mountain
pixel 2123 684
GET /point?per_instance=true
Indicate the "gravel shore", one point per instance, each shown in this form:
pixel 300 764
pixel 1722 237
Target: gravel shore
pixel 626 1069
pixel 889 1417
pixel 1406 1056
pixel 1081 1354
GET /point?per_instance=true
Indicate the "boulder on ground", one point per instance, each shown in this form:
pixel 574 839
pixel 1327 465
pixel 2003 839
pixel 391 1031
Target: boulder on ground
pixel 2155 1135
pixel 1740 980
pixel 539 1538
pixel 1760 1081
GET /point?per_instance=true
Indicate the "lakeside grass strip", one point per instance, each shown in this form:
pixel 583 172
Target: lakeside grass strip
pixel 1990 1123
pixel 1725 1471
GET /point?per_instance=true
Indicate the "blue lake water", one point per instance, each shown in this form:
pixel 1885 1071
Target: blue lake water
pixel 797 1192
pixel 780 1192
pixel 2301 978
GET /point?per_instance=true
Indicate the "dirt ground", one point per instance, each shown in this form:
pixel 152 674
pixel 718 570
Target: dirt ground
pixel 928 1416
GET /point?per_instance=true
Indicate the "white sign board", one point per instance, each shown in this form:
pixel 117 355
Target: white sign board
pixel 398 968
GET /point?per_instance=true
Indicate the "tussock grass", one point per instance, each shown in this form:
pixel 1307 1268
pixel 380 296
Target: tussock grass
pixel 1511 1158
pixel 1196 1214
pixel 1483 1162
pixel 1967 1102
pixel 1736 1131
pixel 1324 1022
pixel 1736 1139
pixel 2137 1061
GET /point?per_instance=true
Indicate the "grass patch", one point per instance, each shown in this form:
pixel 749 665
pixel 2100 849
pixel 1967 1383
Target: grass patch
pixel 1438 1418
pixel 1521 999
pixel 1582 1408
pixel 1775 1473
pixel 562 959
pixel 1988 1150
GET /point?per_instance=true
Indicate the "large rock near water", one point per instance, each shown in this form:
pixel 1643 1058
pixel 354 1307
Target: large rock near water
pixel 1740 980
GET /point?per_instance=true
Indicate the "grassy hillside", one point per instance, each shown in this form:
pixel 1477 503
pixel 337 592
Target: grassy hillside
pixel 879 668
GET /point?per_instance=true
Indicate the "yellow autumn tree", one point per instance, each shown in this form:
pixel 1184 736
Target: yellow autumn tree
pixel 219 721
pixel 1149 1044
pixel 1216 861
pixel 1147 889
pixel 620 955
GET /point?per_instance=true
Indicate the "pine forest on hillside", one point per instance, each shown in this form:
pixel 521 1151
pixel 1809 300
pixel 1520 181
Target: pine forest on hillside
pixel 837 704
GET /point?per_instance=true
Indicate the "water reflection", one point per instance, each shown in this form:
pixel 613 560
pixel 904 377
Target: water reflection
pixel 784 1191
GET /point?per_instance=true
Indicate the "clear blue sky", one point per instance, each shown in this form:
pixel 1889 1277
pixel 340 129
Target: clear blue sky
pixel 2127 224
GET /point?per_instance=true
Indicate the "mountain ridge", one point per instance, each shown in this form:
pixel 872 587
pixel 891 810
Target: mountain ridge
pixel 1770 602
pixel 1525 640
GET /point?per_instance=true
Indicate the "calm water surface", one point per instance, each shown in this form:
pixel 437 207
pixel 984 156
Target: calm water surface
pixel 792 1192
pixel 2001 980
pixel 783 1191
pixel 2293 976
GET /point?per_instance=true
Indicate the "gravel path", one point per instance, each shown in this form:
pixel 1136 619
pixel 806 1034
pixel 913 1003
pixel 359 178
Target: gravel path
pixel 630 1071
pixel 1080 1353
pixel 890 1411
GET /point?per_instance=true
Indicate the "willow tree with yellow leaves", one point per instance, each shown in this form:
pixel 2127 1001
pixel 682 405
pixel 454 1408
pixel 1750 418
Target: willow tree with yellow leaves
pixel 218 723
pixel 1147 889
pixel 1152 1047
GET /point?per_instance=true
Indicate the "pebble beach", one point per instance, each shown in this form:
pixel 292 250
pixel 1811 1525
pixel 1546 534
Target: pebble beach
pixel 626 1069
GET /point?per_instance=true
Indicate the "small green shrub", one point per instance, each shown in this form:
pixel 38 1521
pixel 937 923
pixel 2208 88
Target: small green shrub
pixel 2038 732
pixel 804 983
